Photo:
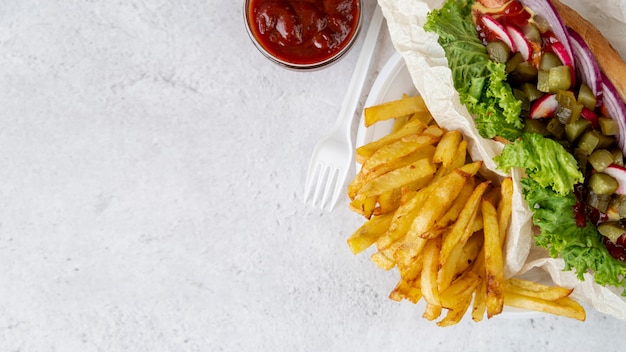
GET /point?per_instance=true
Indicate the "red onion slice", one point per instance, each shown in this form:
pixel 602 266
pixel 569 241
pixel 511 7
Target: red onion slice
pixel 587 67
pixel 616 109
pixel 545 9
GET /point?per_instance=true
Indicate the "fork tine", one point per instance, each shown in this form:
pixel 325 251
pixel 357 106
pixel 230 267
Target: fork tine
pixel 311 181
pixel 321 185
pixel 326 202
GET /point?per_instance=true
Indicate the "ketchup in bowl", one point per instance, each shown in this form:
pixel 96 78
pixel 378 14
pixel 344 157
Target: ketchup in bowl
pixel 303 34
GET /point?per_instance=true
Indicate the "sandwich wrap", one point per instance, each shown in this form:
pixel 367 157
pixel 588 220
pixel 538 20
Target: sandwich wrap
pixel 428 67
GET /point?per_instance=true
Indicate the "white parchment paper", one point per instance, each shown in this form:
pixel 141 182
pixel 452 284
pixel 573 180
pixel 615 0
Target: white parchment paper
pixel 429 71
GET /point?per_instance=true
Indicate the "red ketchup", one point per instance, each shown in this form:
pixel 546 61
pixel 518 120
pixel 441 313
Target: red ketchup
pixel 303 32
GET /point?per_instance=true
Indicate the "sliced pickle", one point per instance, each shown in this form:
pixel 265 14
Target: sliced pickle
pixel 559 78
pixel 602 183
pixel 536 126
pixel 603 140
pixel 575 129
pixel 600 159
pixel 515 60
pixel 531 91
pixel 524 72
pixel 609 127
pixel 612 230
pixel 556 128
pixel 532 33
pixel 498 51
pixel 548 61
pixel 543 81
pixel 618 157
pixel 598 201
pixel 588 142
pixel 569 109
pixel 586 97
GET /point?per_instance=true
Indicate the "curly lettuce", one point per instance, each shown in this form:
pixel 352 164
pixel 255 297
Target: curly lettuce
pixel 480 82
pixel 581 248
pixel 545 161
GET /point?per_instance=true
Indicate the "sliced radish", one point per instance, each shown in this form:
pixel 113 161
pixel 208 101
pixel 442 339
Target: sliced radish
pixel 544 107
pixel 499 31
pixel 520 41
pixel 618 173
pixel 590 115
pixel 546 10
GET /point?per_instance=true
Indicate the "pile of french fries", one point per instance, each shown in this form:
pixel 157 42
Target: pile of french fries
pixel 432 216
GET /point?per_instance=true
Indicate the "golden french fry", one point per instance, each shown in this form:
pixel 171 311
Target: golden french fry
pixel 400 121
pixel 459 159
pixel 462 228
pixel 453 212
pixel 479 304
pixel 369 232
pixel 364 205
pixel 565 307
pixel 388 202
pixel 455 314
pixel 439 201
pixel 363 176
pixel 424 116
pixel 432 311
pixel 461 258
pixel 447 147
pixel 402 218
pixel 428 279
pixel 401 291
pixel 459 290
pixel 505 207
pixel 494 264
pixel 419 171
pixel 534 289
pixel 469 253
pixel 471 168
pixel 389 155
pixel 365 151
pixel 393 109
pixel 381 260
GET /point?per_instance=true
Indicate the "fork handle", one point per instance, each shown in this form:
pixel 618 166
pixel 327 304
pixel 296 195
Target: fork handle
pixel 357 82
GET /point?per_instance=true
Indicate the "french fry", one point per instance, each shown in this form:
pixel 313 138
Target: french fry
pixel 388 156
pixel 403 218
pixel 420 171
pixel 439 201
pixel 367 150
pixel 534 289
pixel 464 255
pixel 461 289
pixel 479 304
pixel 565 307
pixel 388 202
pixel 456 313
pixel 447 147
pixel 493 261
pixel 369 232
pixel 383 261
pixel 432 311
pixel 393 109
pixel 364 205
pixel 462 228
pixel 428 279
pixel 505 207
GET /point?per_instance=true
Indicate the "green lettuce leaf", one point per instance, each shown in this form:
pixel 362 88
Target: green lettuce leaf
pixel 581 248
pixel 481 83
pixel 545 160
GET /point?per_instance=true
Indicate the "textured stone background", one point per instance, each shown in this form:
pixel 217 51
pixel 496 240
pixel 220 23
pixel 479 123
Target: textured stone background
pixel 152 165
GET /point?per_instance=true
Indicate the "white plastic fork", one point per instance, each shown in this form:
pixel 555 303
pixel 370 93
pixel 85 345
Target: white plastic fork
pixel 332 156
